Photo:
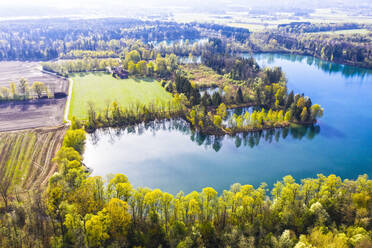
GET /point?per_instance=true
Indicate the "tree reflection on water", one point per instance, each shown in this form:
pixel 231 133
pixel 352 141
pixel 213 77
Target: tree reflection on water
pixel 214 142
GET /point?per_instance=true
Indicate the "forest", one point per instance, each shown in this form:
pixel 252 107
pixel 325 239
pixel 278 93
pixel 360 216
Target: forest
pixel 50 39
pixel 45 40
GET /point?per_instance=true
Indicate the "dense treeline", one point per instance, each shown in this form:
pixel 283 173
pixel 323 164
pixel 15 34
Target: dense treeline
pixel 146 63
pixel 159 31
pixel 234 33
pixel 82 211
pixel 307 27
pixel 238 68
pixel 137 58
pixel 217 56
pixel 53 38
pixel 217 122
pixel 24 91
pixel 354 49
pixel 65 67
pixel 48 39
pixel 189 48
pixel 102 38
pixel 116 116
pixel 79 54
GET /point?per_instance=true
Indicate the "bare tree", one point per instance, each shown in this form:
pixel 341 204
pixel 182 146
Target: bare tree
pixel 23 88
pixel 5 185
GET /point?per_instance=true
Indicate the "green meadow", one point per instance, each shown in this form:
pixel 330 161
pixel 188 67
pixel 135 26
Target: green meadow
pixel 102 88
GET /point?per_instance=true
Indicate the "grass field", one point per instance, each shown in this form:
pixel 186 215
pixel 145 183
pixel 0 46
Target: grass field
pixel 102 88
pixel 204 76
pixel 25 156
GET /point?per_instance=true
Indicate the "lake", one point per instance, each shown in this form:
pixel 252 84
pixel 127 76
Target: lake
pixel 169 156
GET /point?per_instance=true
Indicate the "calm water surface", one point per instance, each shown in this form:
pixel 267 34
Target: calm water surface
pixel 169 156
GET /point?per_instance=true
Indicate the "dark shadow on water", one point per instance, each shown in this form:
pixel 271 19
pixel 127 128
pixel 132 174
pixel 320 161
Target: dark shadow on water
pixel 331 132
pixel 214 142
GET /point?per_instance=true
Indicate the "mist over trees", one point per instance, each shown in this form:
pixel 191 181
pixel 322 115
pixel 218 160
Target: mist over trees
pixel 131 8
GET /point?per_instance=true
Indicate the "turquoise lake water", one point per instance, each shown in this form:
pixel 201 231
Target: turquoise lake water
pixel 169 156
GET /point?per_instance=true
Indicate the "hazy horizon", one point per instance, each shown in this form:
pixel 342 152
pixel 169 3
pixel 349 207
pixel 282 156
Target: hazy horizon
pixel 51 8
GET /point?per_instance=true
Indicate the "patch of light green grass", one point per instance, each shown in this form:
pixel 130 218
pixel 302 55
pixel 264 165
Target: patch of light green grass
pixel 102 88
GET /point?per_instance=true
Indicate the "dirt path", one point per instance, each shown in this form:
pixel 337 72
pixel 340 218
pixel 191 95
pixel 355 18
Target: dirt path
pixel 68 102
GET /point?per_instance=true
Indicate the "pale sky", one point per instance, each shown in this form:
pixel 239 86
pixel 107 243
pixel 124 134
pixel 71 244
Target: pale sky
pixel 70 3
pixel 45 8
pixel 148 4
pixel 57 3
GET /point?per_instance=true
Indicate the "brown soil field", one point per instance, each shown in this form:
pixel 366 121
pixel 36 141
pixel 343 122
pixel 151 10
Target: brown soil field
pixel 18 115
pixel 26 156
pixel 13 71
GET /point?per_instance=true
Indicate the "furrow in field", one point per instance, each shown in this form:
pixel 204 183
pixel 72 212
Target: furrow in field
pixel 45 160
pixel 35 153
pixel 20 161
pixel 26 156
pixel 38 156
pixel 5 155
pixel 28 160
pixel 57 145
pixel 14 162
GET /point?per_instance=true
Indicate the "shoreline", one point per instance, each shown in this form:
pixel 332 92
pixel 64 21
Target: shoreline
pixel 302 53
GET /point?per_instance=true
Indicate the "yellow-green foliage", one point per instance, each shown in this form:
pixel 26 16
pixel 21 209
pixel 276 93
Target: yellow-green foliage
pixel 258 119
pixel 301 215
